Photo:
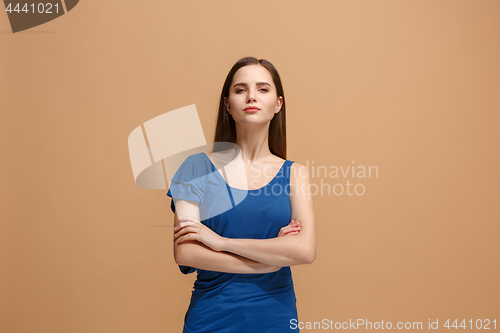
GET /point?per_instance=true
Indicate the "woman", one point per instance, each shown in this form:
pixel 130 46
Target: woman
pixel 241 255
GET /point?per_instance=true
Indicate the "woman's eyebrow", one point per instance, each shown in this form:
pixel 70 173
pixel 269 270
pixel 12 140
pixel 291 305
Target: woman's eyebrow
pixel 244 84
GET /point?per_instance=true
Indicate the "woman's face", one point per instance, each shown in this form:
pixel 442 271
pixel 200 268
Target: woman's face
pixel 253 87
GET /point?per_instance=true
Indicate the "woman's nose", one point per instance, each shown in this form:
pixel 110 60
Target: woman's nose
pixel 251 95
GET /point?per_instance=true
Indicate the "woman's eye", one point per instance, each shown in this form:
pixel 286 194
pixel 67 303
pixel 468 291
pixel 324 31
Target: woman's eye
pixel 240 90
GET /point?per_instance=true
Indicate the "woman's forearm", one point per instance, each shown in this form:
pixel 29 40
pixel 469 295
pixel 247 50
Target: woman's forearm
pixel 280 251
pixel 197 255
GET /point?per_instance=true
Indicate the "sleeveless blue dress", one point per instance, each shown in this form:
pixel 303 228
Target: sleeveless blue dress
pixel 226 302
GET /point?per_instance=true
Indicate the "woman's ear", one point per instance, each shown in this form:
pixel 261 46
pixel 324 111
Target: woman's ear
pixel 279 103
pixel 226 105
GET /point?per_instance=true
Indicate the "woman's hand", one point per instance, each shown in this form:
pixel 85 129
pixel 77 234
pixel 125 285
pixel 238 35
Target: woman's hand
pixel 292 228
pixel 191 229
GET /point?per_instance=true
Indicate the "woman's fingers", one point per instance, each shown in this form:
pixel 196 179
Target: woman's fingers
pixel 188 232
pixel 182 230
pixel 291 227
pixel 288 229
pixel 199 232
pixel 297 229
pixel 190 236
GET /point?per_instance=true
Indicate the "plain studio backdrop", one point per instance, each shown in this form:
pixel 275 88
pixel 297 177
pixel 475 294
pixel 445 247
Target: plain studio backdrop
pixel 409 87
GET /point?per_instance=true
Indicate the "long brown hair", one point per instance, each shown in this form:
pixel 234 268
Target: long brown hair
pixel 225 128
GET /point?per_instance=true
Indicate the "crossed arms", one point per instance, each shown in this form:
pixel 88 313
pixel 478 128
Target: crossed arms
pixel 196 245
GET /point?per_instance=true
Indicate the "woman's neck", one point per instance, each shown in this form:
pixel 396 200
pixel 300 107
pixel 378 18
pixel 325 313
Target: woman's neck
pixel 254 144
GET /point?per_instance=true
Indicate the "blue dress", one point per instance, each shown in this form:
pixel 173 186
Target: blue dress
pixel 226 302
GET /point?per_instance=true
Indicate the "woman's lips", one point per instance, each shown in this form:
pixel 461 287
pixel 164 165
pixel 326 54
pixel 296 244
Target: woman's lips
pixel 252 110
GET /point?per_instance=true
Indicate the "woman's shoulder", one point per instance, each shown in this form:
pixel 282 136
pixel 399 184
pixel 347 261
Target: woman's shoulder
pixel 298 170
pixel 278 160
pixel 195 165
pixel 200 159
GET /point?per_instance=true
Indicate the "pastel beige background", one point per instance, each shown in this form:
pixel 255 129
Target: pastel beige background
pixel 408 86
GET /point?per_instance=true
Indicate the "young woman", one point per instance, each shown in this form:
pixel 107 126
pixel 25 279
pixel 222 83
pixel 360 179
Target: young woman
pixel 243 254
